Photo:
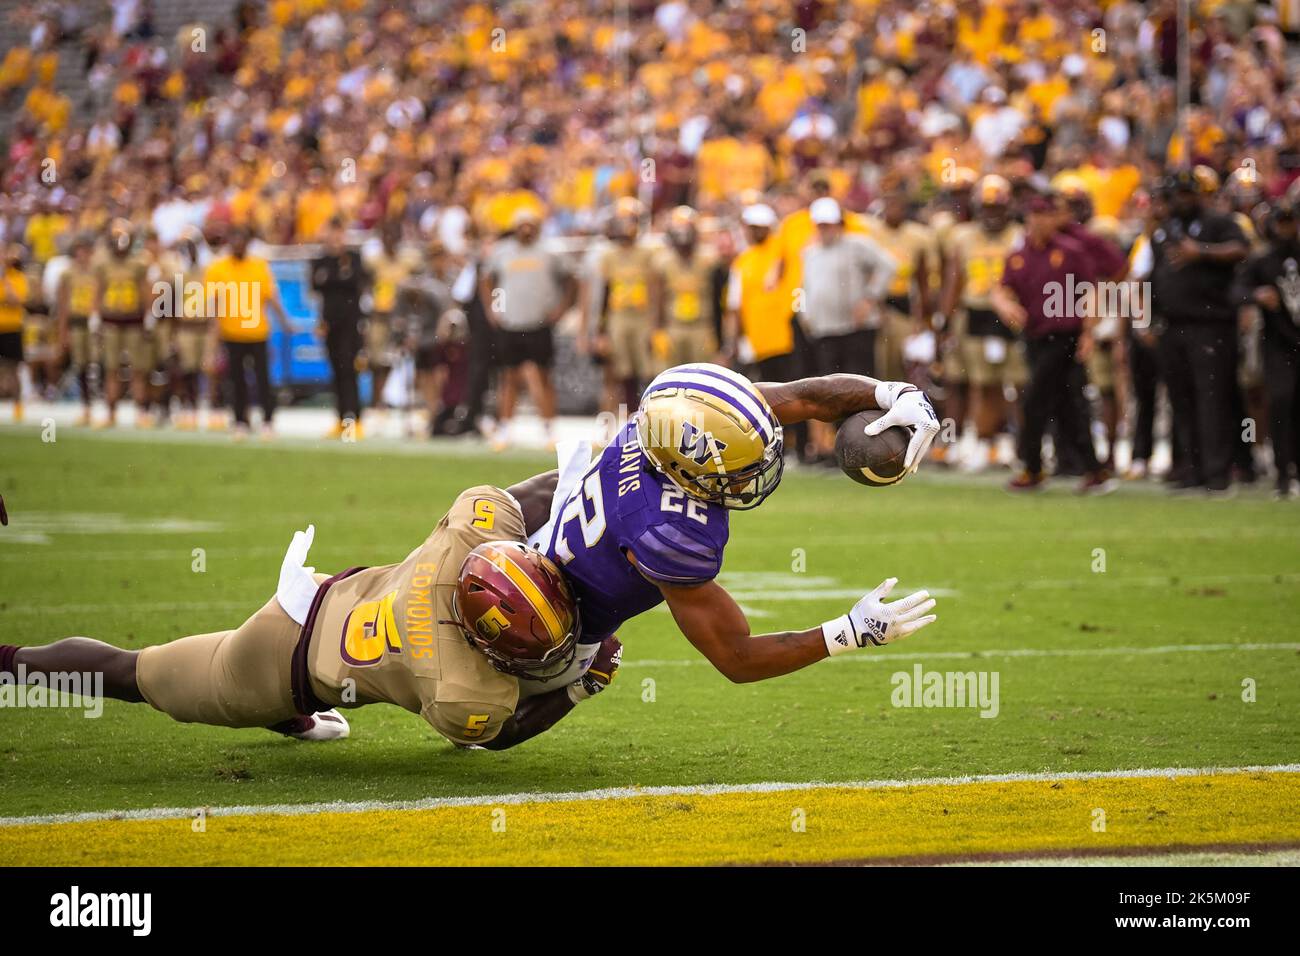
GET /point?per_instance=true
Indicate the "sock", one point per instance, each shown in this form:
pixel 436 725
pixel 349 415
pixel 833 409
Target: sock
pixel 7 654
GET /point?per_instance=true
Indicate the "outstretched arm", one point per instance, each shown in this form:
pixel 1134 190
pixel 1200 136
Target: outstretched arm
pixel 830 398
pixel 716 626
pixel 827 398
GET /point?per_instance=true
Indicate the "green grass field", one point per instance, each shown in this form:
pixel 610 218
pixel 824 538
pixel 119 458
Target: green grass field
pixel 1133 672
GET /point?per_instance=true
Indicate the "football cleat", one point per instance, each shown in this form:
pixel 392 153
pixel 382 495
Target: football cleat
pixel 326 725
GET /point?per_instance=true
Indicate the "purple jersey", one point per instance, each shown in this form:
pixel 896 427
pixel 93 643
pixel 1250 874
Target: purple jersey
pixel 620 505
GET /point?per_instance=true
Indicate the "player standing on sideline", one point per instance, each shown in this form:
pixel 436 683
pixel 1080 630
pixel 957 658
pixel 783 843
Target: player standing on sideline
pixel 470 631
pixel 647 521
pixel 991 356
pixel 950 328
pixel 684 273
pixel 163 265
pixel 121 299
pixel 907 301
pixel 1141 349
pixel 240 290
pixel 13 295
pixel 192 330
pixel 390 266
pixel 623 312
pixel 74 303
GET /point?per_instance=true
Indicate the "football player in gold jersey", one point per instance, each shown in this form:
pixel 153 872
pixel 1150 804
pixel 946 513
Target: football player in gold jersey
pixel 73 307
pixel 684 273
pixel 390 265
pixel 121 299
pixel 627 309
pixel 989 350
pixel 473 630
pixel 907 303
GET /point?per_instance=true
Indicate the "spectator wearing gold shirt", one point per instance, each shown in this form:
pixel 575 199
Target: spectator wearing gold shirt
pixel 13 295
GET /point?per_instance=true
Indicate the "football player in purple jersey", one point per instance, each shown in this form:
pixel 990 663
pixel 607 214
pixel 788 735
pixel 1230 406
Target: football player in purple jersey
pixel 646 521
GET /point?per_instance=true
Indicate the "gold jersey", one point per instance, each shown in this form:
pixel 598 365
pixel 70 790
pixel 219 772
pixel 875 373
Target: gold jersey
pixel 982 257
pixel 120 279
pixel 79 287
pixel 389 270
pixel 627 273
pixel 904 244
pixel 687 286
pixel 381 635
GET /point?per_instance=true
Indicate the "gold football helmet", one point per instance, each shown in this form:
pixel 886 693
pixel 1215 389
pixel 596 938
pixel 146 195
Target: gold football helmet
pixel 713 434
pixel 993 190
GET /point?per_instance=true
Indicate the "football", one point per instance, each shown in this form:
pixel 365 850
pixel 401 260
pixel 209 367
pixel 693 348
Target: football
pixel 871 460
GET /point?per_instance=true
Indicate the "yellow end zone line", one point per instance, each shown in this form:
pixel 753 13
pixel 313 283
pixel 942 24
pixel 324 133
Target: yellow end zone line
pixel 932 821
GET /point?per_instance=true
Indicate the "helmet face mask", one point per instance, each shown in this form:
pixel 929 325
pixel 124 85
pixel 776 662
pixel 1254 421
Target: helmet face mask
pixel 741 490
pixel 513 606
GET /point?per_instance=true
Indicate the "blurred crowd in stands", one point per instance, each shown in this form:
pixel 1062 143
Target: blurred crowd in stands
pixel 996 199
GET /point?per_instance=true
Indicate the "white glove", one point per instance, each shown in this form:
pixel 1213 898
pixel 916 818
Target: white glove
pixel 297 588
pixel 872 621
pixel 905 404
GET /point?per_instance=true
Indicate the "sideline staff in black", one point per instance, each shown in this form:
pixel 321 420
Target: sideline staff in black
pixel 1196 251
pixel 340 278
pixel 1271 280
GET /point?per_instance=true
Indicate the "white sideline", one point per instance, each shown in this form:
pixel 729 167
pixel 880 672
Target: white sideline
pixel 625 793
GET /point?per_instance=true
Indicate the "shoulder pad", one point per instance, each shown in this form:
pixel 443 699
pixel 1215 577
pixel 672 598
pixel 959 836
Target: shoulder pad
pixel 670 553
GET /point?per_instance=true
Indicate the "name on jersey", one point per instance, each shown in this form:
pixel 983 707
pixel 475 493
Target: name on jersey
pixel 419 615
pixel 629 468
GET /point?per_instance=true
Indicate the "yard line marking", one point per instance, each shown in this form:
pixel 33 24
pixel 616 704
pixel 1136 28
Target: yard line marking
pixel 812 594
pixel 829 594
pixel 629 793
pixel 1012 652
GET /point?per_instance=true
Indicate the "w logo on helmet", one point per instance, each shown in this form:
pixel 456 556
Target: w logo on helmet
pixel 700 446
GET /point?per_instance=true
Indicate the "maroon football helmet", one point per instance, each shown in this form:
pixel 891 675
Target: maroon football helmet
pixel 515 606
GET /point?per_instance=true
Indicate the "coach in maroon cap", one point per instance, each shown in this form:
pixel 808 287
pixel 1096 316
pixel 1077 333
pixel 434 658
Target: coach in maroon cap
pixel 1042 296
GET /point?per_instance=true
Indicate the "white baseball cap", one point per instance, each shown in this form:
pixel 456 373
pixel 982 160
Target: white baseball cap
pixel 825 211
pixel 759 214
